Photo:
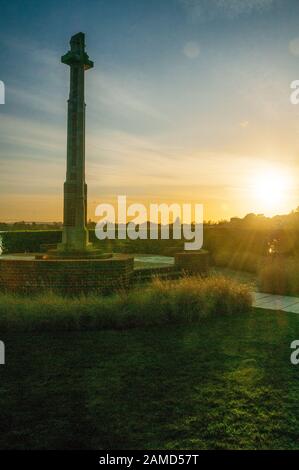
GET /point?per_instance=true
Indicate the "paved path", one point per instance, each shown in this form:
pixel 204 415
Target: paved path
pixel 276 302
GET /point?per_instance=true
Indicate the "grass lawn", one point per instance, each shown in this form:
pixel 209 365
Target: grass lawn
pixel 226 382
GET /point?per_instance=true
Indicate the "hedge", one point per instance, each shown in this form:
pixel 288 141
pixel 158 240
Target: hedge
pixel 30 241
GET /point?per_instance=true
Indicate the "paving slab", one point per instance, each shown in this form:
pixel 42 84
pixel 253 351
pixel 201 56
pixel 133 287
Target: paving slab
pixel 275 302
pixel 259 295
pixel 292 308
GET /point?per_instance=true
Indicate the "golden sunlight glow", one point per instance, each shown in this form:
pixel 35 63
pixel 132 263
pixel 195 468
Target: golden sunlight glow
pixel 271 188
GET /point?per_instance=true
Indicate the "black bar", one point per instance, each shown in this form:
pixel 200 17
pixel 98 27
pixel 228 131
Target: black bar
pixel 136 459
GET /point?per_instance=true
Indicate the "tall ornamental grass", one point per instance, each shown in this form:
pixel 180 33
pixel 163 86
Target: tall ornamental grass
pixel 280 276
pixel 161 302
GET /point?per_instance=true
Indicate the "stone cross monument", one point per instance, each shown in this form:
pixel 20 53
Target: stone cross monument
pixel 75 233
pixel 75 266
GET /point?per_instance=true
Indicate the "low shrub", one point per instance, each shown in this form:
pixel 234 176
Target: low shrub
pixel 279 275
pixel 29 241
pixel 161 302
pixel 242 261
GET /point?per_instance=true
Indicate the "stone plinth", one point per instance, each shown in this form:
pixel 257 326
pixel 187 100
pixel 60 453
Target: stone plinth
pixel 74 255
pixel 193 262
pixel 72 276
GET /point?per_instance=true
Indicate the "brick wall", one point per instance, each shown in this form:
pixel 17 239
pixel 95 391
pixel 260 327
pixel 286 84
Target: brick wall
pixel 67 276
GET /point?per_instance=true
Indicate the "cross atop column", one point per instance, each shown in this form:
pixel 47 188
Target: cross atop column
pixel 77 54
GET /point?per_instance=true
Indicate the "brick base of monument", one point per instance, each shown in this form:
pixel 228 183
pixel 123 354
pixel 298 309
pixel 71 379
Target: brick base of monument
pixel 66 276
pixel 193 262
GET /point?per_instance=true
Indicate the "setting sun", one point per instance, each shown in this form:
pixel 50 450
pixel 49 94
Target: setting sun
pixel 271 188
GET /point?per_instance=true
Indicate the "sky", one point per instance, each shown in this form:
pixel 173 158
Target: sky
pixel 188 102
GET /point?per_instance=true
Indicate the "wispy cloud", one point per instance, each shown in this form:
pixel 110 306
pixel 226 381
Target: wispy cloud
pixel 122 95
pixel 39 99
pixel 30 138
pixel 209 9
pixel 31 50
